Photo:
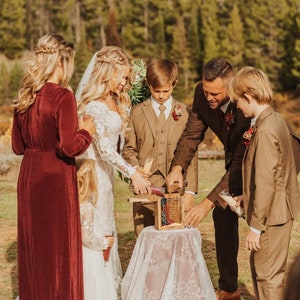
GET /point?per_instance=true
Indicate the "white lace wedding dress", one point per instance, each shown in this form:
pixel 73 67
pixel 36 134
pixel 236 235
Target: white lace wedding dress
pixel 102 280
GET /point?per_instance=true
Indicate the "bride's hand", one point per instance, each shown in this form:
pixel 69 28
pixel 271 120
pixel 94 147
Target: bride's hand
pixel 141 185
pixel 110 240
pixel 87 123
pixel 143 172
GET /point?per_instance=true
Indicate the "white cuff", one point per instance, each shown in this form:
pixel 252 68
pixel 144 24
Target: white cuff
pixel 190 192
pixel 255 230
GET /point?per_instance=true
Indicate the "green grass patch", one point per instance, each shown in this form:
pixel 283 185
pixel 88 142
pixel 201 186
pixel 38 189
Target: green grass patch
pixel 210 171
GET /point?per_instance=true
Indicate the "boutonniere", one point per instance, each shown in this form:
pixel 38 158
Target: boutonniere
pixel 229 119
pixel 177 112
pixel 248 135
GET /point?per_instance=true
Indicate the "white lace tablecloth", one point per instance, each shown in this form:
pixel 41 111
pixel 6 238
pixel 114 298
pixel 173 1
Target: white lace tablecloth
pixel 167 265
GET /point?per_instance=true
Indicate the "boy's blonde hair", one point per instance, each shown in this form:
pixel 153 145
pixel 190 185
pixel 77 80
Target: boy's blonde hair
pixel 253 82
pixel 161 72
pixel 51 49
pixel 109 61
pixel 86 179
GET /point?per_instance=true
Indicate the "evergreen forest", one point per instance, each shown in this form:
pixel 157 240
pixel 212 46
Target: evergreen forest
pixel 264 34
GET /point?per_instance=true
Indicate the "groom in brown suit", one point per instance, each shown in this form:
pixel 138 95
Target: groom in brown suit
pixel 213 109
pixel 155 127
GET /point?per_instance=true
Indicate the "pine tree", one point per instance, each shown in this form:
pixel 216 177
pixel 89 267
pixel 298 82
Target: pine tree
pixel 95 14
pixel 264 36
pixel 180 54
pixel 195 42
pixel 12 28
pixel 134 32
pixel 232 39
pixel 289 75
pixel 210 29
pixel 16 75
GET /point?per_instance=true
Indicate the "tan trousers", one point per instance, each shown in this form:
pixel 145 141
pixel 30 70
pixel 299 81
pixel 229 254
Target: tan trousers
pixel 268 265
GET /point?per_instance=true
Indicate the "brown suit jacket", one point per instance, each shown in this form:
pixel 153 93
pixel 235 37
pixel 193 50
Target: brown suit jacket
pixel 270 185
pixel 203 117
pixel 296 149
pixel 143 137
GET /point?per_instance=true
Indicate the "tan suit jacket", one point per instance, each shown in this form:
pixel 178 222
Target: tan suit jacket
pixel 270 186
pixel 143 138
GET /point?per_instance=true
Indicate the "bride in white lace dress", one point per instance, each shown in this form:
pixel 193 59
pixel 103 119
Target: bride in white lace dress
pixel 102 94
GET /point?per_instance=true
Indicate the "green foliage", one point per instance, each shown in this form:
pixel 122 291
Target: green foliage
pixel 16 75
pixel 190 32
pixel 4 82
pixel 233 44
pixel 139 91
pixel 12 30
pixel 210 29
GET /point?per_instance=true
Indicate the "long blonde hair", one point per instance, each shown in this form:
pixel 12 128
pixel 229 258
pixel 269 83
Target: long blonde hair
pixel 51 49
pixel 109 61
pixel 86 179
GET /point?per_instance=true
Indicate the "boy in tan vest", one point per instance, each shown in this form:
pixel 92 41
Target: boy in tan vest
pixel 155 127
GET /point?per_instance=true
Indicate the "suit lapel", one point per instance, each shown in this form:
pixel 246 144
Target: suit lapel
pixel 150 116
pixel 231 109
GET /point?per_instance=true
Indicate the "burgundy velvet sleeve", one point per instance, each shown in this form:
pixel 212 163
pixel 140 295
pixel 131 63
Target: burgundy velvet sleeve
pixel 72 142
pixel 16 139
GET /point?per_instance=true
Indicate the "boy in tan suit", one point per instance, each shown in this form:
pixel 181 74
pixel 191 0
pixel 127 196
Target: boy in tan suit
pixel 271 195
pixel 155 127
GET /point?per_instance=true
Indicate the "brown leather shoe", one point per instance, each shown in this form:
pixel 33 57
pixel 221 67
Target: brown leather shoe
pixel 223 295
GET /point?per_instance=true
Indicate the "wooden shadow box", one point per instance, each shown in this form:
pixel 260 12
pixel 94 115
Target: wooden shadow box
pixel 168 209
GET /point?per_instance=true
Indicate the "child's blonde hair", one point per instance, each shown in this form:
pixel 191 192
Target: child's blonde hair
pixel 86 179
pixel 51 49
pixel 109 61
pixel 253 82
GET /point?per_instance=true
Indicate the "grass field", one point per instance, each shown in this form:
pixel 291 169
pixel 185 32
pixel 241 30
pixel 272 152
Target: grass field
pixel 209 172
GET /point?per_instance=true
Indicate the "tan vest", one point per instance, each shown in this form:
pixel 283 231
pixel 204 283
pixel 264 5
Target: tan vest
pixel 160 148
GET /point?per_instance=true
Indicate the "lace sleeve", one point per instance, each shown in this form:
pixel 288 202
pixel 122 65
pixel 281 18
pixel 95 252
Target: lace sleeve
pixel 89 237
pixel 104 138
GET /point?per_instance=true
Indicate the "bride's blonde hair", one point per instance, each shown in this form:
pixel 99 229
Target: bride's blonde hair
pixel 86 179
pixel 51 49
pixel 110 60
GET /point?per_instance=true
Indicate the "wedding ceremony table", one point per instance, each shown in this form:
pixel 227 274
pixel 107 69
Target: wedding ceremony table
pixel 167 264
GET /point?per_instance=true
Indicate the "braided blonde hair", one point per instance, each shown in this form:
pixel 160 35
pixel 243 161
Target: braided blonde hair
pixel 109 61
pixel 51 49
pixel 86 179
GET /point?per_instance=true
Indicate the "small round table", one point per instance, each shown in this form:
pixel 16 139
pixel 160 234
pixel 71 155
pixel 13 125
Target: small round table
pixel 167 264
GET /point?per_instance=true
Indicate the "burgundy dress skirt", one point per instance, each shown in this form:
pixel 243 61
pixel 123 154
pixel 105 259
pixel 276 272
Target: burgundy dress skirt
pixel 49 232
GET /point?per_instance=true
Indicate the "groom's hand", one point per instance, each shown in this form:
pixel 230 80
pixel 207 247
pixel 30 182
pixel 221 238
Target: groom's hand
pixel 197 213
pixel 174 178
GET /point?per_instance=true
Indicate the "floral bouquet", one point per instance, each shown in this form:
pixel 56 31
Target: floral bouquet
pixel 139 91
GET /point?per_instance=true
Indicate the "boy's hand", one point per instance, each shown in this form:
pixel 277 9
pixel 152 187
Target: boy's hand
pixel 187 201
pixel 197 213
pixel 252 241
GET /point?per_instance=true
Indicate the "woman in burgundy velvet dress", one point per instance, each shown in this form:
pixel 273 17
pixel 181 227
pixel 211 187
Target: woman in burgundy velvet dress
pixel 45 131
